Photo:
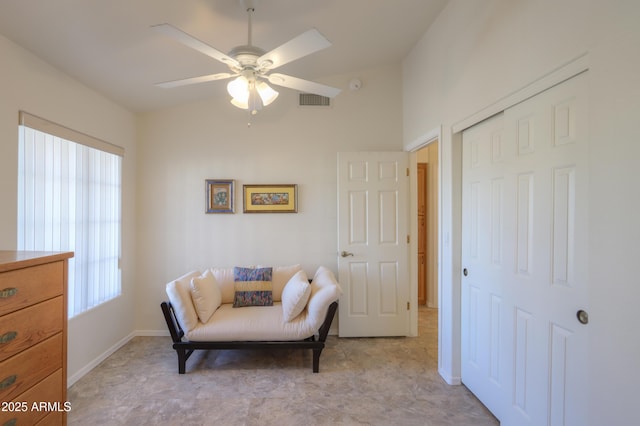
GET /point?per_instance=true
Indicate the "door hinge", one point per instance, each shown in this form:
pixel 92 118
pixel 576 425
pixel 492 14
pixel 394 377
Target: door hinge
pixel 408 306
pixel 408 239
pixel 407 171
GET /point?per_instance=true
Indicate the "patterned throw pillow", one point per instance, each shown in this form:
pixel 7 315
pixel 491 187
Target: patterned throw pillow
pixel 253 287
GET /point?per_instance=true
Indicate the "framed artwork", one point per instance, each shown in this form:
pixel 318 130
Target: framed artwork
pixel 270 198
pixel 219 196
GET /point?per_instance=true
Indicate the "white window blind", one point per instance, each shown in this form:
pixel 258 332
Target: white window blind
pixel 69 199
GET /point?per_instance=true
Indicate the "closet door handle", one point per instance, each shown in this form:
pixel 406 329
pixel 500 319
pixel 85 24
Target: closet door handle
pixel 583 317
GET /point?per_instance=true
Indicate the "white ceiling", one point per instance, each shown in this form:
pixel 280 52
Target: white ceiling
pixel 108 45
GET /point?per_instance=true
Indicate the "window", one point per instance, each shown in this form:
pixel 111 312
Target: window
pixel 69 199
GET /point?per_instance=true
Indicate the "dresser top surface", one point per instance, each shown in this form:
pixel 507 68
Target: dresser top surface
pixel 12 259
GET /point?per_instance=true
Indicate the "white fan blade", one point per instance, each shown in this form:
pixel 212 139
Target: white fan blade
pixel 303 85
pixel 192 42
pixel 302 45
pixel 194 80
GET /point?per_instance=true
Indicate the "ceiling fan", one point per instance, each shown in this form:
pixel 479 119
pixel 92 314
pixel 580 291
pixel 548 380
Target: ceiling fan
pixel 252 66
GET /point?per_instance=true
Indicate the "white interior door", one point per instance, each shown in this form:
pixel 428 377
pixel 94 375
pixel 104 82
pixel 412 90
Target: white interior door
pixel 484 366
pixel 373 208
pixel 524 351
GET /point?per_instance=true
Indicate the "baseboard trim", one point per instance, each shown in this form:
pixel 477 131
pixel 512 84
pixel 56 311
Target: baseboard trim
pixel 93 364
pixel 448 378
pixel 152 333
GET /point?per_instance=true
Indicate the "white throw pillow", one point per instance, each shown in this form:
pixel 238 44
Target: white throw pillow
pixel 281 276
pixel 206 295
pixel 179 292
pixel 295 296
pixel 224 278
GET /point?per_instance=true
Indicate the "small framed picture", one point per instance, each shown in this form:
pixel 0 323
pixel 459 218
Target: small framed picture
pixel 219 196
pixel 270 198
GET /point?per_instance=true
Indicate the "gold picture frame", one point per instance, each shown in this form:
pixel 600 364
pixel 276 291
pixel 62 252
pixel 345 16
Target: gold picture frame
pixel 219 196
pixel 270 198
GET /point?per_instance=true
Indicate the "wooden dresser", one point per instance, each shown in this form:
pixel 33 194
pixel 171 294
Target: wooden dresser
pixel 33 338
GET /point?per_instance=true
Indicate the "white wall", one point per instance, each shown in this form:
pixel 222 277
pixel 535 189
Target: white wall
pixel 27 83
pixel 478 52
pixel 181 147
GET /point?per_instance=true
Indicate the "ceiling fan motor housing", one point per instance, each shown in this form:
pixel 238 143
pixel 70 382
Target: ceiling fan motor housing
pixel 246 55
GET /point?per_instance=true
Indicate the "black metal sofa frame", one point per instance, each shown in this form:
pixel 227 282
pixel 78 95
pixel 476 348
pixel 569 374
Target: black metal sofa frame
pixel 185 348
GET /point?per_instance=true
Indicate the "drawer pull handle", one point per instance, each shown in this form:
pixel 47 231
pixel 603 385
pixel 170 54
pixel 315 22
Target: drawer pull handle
pixel 8 292
pixel 7 337
pixel 8 381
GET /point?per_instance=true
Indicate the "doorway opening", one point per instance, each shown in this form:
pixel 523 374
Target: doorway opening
pixel 427 213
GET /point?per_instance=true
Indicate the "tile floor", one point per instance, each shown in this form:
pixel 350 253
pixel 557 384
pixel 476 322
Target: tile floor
pixel 362 381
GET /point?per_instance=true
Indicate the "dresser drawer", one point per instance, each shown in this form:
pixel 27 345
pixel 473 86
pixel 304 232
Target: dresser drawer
pixel 23 411
pixel 21 371
pixel 24 328
pixel 24 287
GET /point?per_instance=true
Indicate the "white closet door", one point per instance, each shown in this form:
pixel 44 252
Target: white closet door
pixel 524 248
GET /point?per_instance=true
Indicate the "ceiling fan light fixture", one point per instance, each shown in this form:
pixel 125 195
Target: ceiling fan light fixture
pixel 250 95
pixel 267 94
pixel 239 89
pixel 255 101
pixel 238 104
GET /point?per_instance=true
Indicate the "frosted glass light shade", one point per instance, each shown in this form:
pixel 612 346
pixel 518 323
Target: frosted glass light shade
pixel 239 89
pixel 241 105
pixel 267 94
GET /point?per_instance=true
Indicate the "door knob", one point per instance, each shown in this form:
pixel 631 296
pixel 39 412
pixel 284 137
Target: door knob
pixel 465 272
pixel 583 316
pixel 345 253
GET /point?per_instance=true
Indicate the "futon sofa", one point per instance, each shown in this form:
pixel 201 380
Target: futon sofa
pixel 250 308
